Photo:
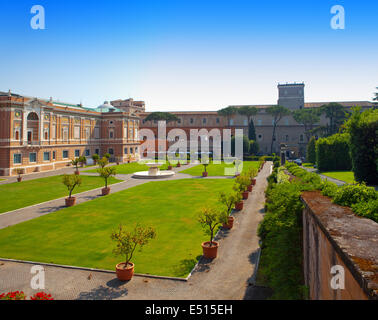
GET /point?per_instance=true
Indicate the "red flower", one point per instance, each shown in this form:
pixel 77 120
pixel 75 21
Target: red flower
pixel 41 296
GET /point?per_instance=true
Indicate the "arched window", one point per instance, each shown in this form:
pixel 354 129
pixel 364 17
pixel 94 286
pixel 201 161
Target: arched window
pixel 32 116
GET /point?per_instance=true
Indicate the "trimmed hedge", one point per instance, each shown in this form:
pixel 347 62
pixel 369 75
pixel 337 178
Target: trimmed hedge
pixel 363 130
pixel 332 153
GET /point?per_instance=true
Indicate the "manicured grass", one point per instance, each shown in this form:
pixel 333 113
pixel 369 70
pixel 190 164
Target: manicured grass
pixel 308 165
pixel 346 176
pixel 26 193
pixel 127 168
pixel 219 169
pixel 80 235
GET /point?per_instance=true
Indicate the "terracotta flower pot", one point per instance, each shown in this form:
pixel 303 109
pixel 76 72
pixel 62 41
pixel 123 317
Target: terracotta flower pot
pixel 169 167
pixel 105 191
pixel 239 205
pixel 210 252
pixel 178 165
pixel 70 201
pixel 205 174
pixel 77 172
pixel 245 195
pixel 19 179
pixel 125 273
pixel 250 188
pixel 253 182
pixel 230 223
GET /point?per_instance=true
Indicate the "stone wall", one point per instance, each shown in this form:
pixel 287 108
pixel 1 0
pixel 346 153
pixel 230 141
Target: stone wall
pixel 335 236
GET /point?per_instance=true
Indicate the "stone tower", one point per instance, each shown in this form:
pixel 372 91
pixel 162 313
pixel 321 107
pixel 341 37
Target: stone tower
pixel 291 95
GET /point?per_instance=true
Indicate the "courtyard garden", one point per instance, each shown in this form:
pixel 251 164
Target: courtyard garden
pixel 80 235
pixel 19 195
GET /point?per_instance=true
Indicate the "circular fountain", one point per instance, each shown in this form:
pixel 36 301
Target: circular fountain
pixel 153 172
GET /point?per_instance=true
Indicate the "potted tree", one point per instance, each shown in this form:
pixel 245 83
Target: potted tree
pixel 75 162
pixel 229 201
pixel 82 160
pixel 241 185
pixel 168 163
pixel 237 164
pixel 95 158
pixel 71 181
pixel 106 173
pixel 205 173
pixel 252 172
pixel 210 218
pixel 126 243
pixel 19 171
pixel 102 163
pixel 178 164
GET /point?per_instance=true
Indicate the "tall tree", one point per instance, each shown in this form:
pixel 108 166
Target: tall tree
pixel 337 114
pixel 277 112
pixel 308 118
pixel 252 131
pixel 249 112
pixel 227 112
pixel 376 96
pixel 161 116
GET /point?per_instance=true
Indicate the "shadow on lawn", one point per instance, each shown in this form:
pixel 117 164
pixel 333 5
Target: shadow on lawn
pixel 112 290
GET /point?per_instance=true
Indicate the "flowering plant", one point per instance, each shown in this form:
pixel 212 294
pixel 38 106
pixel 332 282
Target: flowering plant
pixel 41 296
pixel 16 295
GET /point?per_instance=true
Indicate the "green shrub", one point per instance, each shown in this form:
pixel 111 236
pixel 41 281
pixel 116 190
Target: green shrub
pixel 362 128
pixel 367 209
pixel 329 188
pixel 332 153
pixel 280 231
pixel 350 194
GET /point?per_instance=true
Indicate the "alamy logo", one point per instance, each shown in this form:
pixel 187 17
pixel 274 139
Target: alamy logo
pixel 338 280
pixel 338 20
pixel 38 281
pixel 38 20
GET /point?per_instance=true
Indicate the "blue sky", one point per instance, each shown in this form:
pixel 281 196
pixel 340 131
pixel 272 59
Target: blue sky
pixel 188 55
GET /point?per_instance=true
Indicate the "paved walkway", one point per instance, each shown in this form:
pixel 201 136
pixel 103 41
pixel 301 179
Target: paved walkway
pixel 227 277
pixel 338 182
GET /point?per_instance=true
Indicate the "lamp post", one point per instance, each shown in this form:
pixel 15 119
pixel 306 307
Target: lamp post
pixel 283 148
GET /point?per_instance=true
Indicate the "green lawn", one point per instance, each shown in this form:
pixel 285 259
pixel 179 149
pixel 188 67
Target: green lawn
pixel 218 169
pixel 80 235
pixel 127 168
pixel 26 193
pixel 308 165
pixel 346 176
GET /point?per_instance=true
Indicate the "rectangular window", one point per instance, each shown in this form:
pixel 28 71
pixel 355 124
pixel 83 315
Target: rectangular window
pixel 77 153
pixel 97 133
pixel 191 120
pixel 54 155
pixel 259 122
pixel 65 154
pixel 131 150
pixel 65 133
pixel 217 120
pixel 126 150
pixel 17 158
pixel 46 156
pixel 32 157
pixel 87 153
pixel 231 122
pixel 204 120
pixel 97 151
pixel 111 151
pixel 77 132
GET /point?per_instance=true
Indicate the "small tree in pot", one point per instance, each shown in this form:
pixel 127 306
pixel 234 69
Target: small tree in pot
pixel 82 160
pixel 95 158
pixel 241 186
pixel 19 171
pixel 229 200
pixel 75 162
pixel 252 172
pixel 71 181
pixel 127 242
pixel 205 173
pixel 106 173
pixel 210 218
pixel 102 163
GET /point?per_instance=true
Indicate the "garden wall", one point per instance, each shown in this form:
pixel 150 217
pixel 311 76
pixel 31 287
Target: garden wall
pixel 333 235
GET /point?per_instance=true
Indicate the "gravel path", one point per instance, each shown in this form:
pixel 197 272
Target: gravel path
pixel 230 276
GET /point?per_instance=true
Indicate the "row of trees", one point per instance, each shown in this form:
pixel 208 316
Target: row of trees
pixel 308 117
